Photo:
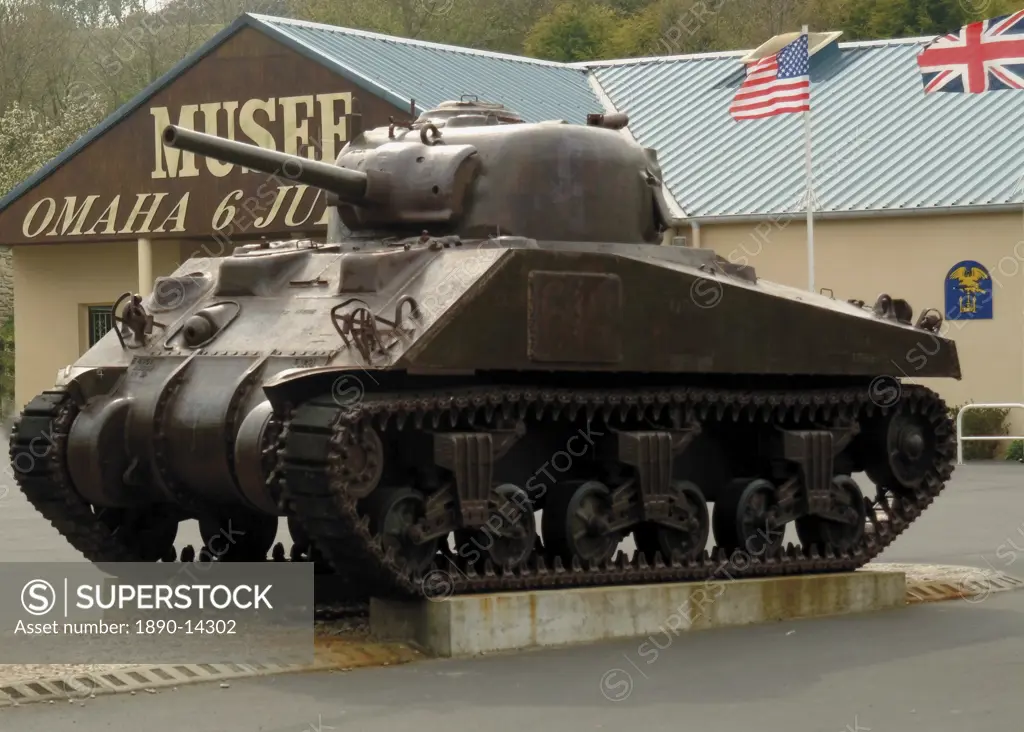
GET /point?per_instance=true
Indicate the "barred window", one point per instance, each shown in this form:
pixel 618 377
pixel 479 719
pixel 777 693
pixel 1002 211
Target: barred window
pixel 99 323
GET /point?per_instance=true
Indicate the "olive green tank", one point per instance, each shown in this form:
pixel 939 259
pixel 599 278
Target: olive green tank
pixel 492 375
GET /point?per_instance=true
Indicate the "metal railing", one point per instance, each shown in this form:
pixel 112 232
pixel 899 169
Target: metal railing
pixel 960 428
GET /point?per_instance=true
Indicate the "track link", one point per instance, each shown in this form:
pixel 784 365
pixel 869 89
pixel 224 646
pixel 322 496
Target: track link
pixel 313 479
pixel 38 457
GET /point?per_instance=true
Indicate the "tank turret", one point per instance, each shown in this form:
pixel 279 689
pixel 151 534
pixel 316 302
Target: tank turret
pixel 468 111
pixel 474 169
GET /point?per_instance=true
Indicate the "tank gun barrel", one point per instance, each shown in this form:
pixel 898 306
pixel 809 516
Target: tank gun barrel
pixel 350 185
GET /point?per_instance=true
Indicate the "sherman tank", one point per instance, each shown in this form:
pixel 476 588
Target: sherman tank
pixel 492 374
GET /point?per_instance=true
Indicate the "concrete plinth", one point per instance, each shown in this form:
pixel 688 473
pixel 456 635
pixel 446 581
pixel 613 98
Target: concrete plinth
pixel 473 624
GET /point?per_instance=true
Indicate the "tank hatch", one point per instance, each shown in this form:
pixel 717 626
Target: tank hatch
pixel 469 111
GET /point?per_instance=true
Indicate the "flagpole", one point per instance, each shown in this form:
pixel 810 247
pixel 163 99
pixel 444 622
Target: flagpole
pixel 808 176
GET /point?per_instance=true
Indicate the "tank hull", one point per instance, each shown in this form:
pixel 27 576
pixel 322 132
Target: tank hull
pixel 395 404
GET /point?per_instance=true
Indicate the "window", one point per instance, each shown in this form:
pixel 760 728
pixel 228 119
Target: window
pixel 99 322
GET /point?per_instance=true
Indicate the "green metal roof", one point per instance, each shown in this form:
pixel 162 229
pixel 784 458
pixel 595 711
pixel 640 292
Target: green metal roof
pixel 430 73
pixel 879 143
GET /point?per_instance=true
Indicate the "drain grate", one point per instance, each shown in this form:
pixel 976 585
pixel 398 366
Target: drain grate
pixel 81 686
pixel 935 583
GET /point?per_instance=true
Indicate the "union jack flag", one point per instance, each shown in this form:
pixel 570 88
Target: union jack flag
pixel 980 57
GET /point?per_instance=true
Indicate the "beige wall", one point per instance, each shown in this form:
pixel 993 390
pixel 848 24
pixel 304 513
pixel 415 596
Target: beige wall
pixel 906 257
pixel 53 286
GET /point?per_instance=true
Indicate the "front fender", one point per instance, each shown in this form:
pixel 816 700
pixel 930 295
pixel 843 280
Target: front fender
pixel 345 384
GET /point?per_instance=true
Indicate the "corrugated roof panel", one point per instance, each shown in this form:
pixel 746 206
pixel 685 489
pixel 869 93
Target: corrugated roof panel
pixel 879 143
pixel 432 73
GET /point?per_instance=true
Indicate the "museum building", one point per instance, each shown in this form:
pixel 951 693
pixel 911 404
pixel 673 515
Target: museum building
pixel 918 196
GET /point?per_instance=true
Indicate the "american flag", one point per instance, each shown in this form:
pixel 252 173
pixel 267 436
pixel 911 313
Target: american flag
pixel 777 84
pixel 980 57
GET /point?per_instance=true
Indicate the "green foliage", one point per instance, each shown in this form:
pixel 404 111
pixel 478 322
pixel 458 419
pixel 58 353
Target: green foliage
pixel 6 367
pixel 640 34
pixel 29 140
pixel 892 18
pixel 407 19
pixel 574 31
pixel 1016 451
pixel 982 422
pixel 628 7
pixel 495 25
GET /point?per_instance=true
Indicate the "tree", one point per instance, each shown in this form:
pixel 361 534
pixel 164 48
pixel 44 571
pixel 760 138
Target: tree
pixel 993 9
pixel 902 18
pixel 574 31
pixel 406 18
pixel 29 140
pixel 628 7
pixel 224 12
pixel 640 34
pixel 30 33
pixel 497 25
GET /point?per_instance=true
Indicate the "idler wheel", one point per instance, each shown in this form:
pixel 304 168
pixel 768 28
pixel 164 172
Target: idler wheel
pixel 510 535
pixel 741 519
pixel 149 532
pixel 394 513
pixel 238 537
pixel 575 523
pixel 901 450
pixel 840 536
pixel 687 506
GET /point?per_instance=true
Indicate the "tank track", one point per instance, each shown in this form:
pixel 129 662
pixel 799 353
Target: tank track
pixel 38 451
pixel 314 485
pixel 38 456
pixel 308 465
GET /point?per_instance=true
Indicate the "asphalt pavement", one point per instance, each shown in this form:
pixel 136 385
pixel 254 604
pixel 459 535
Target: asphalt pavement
pixel 940 667
pixel 937 667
